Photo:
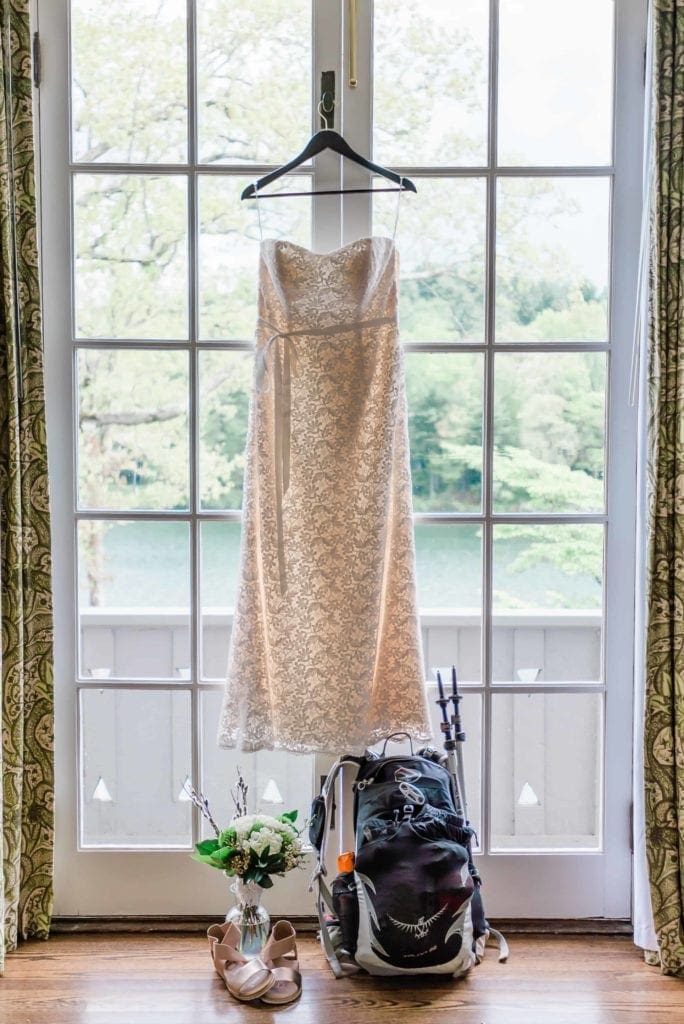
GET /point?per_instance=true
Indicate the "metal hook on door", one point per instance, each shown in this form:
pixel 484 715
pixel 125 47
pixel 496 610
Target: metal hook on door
pixel 326 104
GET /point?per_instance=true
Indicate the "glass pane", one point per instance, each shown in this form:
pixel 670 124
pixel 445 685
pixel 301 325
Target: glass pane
pixel 134 599
pixel 229 249
pixel 568 48
pixel 277 780
pixel 131 273
pixel 445 400
pixel 133 429
pixel 224 387
pixel 430 82
pixel 552 259
pixel 547 602
pixel 440 239
pixel 129 100
pixel 449 571
pixel 549 432
pixel 546 771
pixel 131 784
pixel 253 80
pixel 220 563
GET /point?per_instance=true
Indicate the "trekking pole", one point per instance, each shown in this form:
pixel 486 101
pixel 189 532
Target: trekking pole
pixel 450 747
pixel 459 739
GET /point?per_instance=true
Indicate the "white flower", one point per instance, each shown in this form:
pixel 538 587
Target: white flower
pixel 264 838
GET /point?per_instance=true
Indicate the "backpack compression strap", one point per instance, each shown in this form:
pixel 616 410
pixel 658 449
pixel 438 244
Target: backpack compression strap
pixel 480 944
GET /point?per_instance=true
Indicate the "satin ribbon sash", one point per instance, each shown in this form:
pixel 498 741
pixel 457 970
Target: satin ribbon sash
pixel 283 365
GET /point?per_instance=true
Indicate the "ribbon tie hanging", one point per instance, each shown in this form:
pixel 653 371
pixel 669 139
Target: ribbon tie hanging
pixel 280 367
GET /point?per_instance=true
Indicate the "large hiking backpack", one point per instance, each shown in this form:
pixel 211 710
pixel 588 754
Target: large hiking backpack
pixel 411 902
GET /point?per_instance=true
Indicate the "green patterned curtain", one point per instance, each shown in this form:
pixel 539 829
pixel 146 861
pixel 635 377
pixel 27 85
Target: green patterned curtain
pixel 664 683
pixel 25 569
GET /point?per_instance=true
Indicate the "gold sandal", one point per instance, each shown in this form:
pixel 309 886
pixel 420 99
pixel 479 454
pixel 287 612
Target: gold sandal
pixel 280 957
pixel 245 979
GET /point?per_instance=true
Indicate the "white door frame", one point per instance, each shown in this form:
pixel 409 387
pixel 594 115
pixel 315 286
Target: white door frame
pixel 109 883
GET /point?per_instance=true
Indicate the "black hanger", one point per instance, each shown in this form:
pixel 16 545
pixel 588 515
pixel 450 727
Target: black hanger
pixel 327 138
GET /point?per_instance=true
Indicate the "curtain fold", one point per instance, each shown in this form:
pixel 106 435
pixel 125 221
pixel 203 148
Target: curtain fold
pixel 664 677
pixel 26 750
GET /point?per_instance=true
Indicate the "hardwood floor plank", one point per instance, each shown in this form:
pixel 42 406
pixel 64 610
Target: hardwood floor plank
pixel 150 979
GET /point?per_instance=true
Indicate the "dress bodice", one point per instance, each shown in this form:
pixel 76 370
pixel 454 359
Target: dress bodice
pixel 299 288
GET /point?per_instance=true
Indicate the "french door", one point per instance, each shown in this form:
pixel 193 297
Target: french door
pixel 517 121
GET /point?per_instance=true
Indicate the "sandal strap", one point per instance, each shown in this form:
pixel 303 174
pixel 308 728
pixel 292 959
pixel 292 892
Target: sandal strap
pixel 287 974
pixel 277 948
pixel 236 978
pixel 224 952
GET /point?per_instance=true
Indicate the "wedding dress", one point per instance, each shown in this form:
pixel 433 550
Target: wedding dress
pixel 325 648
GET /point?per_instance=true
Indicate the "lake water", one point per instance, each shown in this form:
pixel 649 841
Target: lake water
pixel 147 565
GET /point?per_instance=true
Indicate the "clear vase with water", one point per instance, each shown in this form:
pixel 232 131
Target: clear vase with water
pixel 250 916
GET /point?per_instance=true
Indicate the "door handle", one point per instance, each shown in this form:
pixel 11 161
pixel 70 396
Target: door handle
pixel 352 44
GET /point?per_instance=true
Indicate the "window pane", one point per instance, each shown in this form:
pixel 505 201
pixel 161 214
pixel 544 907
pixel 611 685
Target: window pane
pixel 253 80
pixel 133 429
pixel 220 562
pixel 269 774
pixel 552 259
pixel 229 249
pixel 430 82
pixel 131 273
pixel 131 783
pixel 555 70
pixel 546 771
pixel 224 388
pixel 440 239
pixel 134 599
pixel 129 100
pixel 549 431
pixel 547 602
pixel 449 571
pixel 445 396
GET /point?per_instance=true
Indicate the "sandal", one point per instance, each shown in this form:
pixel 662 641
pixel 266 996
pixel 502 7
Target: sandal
pixel 280 956
pixel 245 979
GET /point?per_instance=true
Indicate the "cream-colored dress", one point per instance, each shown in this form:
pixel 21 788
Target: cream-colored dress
pixel 325 649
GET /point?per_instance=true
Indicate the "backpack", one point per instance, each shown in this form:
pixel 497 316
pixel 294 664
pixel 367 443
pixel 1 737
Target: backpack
pixel 409 900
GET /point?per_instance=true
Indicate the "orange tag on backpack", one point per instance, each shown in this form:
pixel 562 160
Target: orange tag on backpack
pixel 345 861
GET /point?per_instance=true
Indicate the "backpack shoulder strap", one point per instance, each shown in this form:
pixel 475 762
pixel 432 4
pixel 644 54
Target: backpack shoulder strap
pixel 328 795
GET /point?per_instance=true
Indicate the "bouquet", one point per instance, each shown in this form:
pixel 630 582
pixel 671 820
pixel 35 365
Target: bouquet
pixel 254 847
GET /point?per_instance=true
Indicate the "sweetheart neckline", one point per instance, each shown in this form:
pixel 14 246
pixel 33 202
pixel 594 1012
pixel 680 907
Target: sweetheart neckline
pixel 333 252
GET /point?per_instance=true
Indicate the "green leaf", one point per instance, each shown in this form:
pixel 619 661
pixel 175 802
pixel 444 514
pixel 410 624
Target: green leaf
pixel 225 853
pixel 266 882
pixel 204 858
pixel 207 846
pixel 290 816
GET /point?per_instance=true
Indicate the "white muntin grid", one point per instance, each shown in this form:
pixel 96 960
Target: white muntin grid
pixel 356 218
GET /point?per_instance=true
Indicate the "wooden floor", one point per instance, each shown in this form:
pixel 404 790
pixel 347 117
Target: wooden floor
pixel 150 979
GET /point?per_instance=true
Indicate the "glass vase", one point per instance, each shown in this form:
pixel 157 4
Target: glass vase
pixel 250 916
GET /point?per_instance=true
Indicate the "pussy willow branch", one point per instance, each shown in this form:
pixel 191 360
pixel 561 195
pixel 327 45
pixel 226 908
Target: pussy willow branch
pixel 202 804
pixel 239 794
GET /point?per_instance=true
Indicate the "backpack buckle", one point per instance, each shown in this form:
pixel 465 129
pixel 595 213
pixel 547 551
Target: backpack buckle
pixel 411 793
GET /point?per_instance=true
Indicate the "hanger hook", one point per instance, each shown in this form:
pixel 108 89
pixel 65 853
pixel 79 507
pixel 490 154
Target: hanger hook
pixel 322 112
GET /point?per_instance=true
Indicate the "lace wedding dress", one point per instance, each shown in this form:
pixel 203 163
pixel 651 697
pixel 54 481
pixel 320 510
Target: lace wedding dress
pixel 325 649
